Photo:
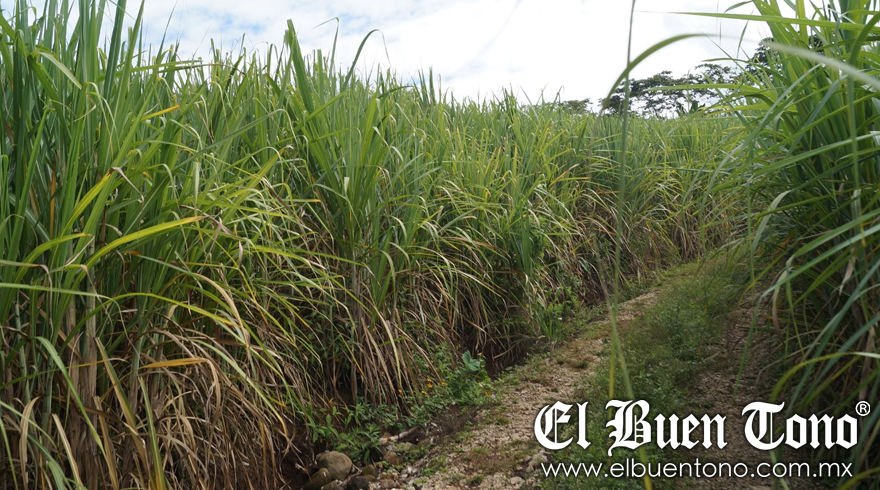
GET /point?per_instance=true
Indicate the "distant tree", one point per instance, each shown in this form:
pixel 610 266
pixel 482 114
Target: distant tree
pixel 713 73
pixel 664 94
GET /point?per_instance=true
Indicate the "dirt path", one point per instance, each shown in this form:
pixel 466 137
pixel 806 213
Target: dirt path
pixel 495 448
pixel 498 450
pixel 731 383
pixel 741 373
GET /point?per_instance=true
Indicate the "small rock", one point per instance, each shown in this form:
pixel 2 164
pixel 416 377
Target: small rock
pixel 392 459
pixel 534 461
pixel 358 483
pixel 334 485
pixel 516 481
pixel 494 481
pixel 387 476
pixel 387 484
pixel 318 480
pixel 338 464
pixel 370 470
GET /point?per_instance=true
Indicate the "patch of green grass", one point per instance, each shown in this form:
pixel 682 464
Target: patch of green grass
pixel 412 452
pixel 435 465
pixel 665 349
pixel 483 460
pixel 475 480
pixel 464 435
pixel 582 363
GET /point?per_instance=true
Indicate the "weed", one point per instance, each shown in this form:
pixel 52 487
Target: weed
pixel 475 480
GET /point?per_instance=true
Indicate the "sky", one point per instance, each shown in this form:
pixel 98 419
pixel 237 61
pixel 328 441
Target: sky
pixel 571 48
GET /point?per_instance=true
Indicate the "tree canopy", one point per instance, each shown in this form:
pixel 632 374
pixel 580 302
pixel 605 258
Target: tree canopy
pixel 663 94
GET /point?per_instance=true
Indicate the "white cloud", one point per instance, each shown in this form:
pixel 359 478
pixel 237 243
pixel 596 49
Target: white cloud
pixel 577 47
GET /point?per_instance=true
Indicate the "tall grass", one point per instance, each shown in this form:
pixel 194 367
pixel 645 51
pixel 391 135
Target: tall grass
pixel 198 256
pixel 811 165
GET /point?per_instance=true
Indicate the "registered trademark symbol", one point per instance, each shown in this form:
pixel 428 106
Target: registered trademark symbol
pixel 863 408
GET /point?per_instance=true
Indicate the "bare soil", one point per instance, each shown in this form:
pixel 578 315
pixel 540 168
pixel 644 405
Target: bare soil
pixel 495 448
